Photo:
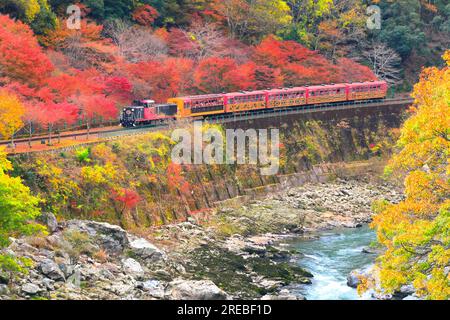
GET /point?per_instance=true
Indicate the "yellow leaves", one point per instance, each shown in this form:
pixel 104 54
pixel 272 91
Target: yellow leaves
pixel 5 165
pixel 390 279
pixel 423 186
pixel 425 137
pixel 446 57
pixel 11 112
pixel 318 8
pixel 98 175
pixel 103 153
pixel 438 286
pixel 273 12
pixel 416 231
pixel 278 9
pixel 30 8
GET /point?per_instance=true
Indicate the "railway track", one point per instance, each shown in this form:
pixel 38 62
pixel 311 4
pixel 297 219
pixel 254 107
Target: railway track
pixel 116 132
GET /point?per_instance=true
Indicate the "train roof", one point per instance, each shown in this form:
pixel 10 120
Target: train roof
pixel 200 97
pixel 377 82
pixel 328 86
pixel 245 93
pixel 284 90
pixel 279 90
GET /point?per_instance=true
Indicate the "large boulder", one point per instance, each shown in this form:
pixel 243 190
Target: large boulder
pixel 112 238
pixel 31 289
pixel 50 269
pixel 49 220
pixel 194 290
pixel 404 291
pixel 283 295
pixel 411 297
pixel 4 290
pixel 144 249
pixel 271 297
pixel 153 288
pixel 132 267
pixel 354 278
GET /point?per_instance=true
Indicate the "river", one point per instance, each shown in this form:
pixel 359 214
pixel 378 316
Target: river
pixel 330 259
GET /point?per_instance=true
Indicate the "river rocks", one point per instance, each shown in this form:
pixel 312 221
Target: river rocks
pixel 132 267
pixel 371 250
pixel 283 295
pixel 145 250
pixel 50 269
pixel 312 207
pixel 31 289
pixel 354 278
pixel 153 288
pixel 4 290
pixel 194 290
pixel 404 291
pixel 411 297
pixel 112 238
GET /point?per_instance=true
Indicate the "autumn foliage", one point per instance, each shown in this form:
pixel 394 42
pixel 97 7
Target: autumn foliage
pixel 416 232
pixel 82 76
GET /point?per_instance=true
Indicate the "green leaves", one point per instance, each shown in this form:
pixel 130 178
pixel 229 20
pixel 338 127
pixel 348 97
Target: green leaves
pixel 18 209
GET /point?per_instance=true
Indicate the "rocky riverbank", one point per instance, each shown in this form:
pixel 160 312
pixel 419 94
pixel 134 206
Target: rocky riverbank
pixel 234 253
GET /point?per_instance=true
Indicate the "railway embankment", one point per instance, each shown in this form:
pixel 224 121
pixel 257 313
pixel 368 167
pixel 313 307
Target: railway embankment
pixel 132 182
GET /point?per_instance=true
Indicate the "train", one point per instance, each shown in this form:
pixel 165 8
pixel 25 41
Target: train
pixel 147 112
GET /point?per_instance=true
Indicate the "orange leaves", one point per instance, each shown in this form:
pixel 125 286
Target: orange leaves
pixel 145 15
pixel 59 38
pixel 175 179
